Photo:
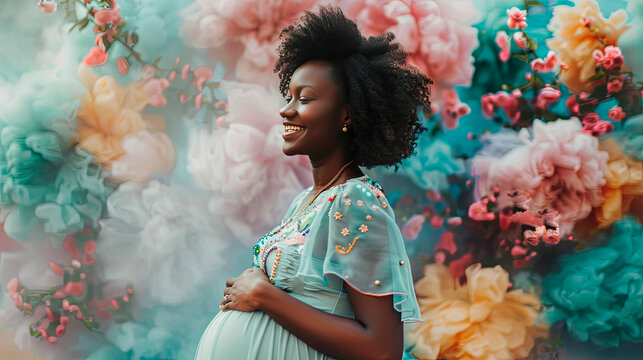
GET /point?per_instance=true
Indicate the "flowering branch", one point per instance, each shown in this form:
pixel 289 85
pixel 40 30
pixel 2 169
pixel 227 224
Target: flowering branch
pixel 110 29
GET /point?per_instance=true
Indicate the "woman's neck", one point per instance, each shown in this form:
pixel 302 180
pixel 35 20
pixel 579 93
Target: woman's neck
pixel 324 170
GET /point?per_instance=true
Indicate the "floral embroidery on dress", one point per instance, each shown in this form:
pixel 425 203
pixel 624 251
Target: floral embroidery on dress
pixel 293 231
pixel 342 250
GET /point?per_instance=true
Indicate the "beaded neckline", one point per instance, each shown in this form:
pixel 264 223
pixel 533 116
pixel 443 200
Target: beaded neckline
pixel 267 242
pixel 331 187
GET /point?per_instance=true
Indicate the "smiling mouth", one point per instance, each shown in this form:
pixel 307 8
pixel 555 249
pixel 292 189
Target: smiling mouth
pixel 291 130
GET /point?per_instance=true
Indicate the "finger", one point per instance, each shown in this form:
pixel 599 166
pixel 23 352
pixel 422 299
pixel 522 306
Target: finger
pixel 226 291
pixel 230 281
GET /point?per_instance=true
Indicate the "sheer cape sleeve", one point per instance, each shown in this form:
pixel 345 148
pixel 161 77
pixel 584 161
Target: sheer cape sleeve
pixel 359 244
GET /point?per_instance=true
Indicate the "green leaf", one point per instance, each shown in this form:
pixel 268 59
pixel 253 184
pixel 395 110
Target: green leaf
pixel 33 332
pixel 520 56
pixel 599 74
pixel 533 3
pixel 66 277
pixel 158 59
pixel 586 108
pixel 83 23
pixel 134 39
pixel 599 92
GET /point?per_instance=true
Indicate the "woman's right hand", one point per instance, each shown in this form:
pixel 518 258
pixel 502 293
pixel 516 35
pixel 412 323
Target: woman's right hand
pixel 232 280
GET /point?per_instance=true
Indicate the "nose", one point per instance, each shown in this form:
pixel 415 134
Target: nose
pixel 287 111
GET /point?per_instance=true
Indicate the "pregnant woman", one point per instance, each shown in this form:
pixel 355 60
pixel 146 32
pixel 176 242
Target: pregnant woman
pixel 333 280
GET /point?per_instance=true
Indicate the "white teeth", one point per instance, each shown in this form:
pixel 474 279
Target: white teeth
pixel 292 128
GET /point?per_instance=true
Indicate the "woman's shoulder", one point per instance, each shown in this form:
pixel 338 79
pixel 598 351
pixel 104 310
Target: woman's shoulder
pixel 363 189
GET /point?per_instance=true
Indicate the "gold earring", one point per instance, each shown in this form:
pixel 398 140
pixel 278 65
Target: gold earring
pixel 344 129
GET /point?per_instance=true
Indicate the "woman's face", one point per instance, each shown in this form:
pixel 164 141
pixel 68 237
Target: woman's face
pixel 315 110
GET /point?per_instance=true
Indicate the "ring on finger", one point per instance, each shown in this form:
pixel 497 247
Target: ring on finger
pixel 226 298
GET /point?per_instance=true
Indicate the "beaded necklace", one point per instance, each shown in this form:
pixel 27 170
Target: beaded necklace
pixel 267 243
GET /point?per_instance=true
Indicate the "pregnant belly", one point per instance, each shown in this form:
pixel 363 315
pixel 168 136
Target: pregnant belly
pixel 236 334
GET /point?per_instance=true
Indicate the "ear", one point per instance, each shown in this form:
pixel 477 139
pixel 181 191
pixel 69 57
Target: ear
pixel 346 116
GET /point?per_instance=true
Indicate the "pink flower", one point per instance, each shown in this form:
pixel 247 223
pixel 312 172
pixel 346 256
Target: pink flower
pixel 154 90
pixel 509 104
pixel 17 299
pixel 64 320
pixel 614 86
pixel 412 227
pixel 439 34
pixel 185 70
pixel 74 288
pixel 547 96
pixel 616 113
pixel 50 314
pixel 197 100
pixel 244 32
pixel 503 100
pixel 48 6
pixel 502 40
pixel 487 102
pixel 446 243
pixel 437 221
pixel 517 18
pixel 99 42
pixel 572 105
pixel 55 268
pixel 591 118
pixel 555 164
pixel 70 245
pixel 12 286
pixel 95 57
pixel 478 211
pixel 113 16
pixel 547 65
pixel 201 75
pixel 452 108
pixel 122 65
pixel 520 40
pixel 598 128
pixel 610 57
pixel 60 330
pixel 89 248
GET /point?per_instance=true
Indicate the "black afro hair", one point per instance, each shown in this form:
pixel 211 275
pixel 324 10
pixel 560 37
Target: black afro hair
pixel 383 91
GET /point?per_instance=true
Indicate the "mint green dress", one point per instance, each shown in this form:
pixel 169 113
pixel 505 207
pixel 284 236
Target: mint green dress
pixel 346 237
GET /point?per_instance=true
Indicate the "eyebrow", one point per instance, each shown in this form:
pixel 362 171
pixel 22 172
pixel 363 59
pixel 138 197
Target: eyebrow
pixel 303 86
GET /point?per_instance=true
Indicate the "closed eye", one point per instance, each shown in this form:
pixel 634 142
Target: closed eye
pixel 301 100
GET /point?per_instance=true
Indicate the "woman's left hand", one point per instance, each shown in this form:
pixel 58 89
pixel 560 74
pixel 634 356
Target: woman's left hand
pixel 243 295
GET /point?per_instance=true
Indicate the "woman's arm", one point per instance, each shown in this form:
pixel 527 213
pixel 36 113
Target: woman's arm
pixel 376 333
